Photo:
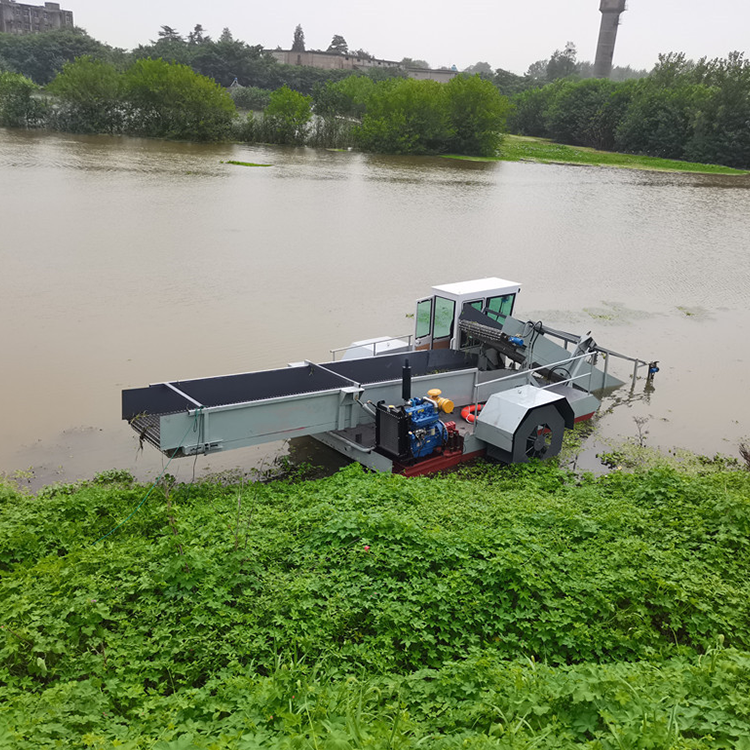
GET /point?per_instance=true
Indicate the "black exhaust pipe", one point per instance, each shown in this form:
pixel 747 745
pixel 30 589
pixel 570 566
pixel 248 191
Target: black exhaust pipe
pixel 406 381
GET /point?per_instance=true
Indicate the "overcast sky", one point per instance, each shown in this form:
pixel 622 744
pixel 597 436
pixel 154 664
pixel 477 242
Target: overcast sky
pixel 506 34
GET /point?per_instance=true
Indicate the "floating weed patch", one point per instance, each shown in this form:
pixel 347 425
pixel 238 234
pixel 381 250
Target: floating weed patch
pixel 599 314
pixel 245 163
pixel 697 313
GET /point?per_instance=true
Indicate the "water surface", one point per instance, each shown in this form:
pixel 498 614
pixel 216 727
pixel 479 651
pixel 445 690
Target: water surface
pixel 125 262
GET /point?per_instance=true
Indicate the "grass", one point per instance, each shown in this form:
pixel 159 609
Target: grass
pixel 544 151
pixel 498 608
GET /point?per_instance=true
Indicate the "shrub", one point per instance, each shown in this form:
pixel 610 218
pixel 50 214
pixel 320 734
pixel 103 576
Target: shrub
pixel 167 100
pixel 18 107
pixel 286 118
pixel 89 94
pixel 250 97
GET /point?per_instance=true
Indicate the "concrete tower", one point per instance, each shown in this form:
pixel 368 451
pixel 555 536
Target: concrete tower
pixel 611 10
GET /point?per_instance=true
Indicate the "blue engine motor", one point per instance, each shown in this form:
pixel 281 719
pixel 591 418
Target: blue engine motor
pixel 426 431
pixel 413 431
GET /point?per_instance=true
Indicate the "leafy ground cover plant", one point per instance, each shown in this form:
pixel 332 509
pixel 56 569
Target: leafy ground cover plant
pixel 493 607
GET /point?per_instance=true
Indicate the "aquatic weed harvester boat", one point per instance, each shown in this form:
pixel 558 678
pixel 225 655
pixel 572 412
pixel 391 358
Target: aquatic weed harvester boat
pixel 518 385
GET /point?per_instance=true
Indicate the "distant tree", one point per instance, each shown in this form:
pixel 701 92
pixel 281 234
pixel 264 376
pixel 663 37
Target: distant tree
pixel 250 97
pixel 226 35
pixel 41 56
pixel 298 44
pixel 363 54
pixel 223 61
pixel 196 36
pixel 626 73
pixel 721 133
pixel 538 70
pixel 302 78
pixel 169 49
pixel 528 115
pixel 167 100
pixel 587 113
pixel 562 64
pixel 169 45
pixel 385 74
pixel 408 62
pixel 286 117
pixel 18 107
pixel 660 120
pixel 345 98
pixel 671 68
pixel 480 68
pixel 88 92
pixel 406 116
pixel 170 34
pixel 476 115
pixel 508 83
pixel 619 73
pixel 338 45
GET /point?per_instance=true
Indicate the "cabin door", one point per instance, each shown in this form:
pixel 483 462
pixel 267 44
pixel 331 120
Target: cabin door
pixel 423 324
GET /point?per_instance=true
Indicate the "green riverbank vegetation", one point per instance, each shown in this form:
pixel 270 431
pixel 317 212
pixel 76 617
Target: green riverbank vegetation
pixel 154 98
pixel 695 112
pixel 151 98
pixel 544 151
pixel 683 110
pixel 516 607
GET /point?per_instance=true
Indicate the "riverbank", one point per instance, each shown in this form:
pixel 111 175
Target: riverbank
pixel 544 151
pixel 492 607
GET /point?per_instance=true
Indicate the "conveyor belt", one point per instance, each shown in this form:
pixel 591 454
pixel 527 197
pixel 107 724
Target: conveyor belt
pixel 143 408
pixel 166 398
pixel 148 428
pixel 484 329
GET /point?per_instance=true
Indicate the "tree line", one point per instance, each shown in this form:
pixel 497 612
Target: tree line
pixel 151 98
pixel 396 116
pixel 227 60
pixel 681 110
pixel 190 87
pixel 694 111
pixel 155 98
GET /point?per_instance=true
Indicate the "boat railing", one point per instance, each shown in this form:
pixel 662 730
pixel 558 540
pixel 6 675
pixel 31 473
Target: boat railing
pixel 407 337
pixel 528 373
pixel 571 338
pixel 592 355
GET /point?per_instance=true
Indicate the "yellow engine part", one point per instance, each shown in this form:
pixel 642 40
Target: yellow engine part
pixel 443 403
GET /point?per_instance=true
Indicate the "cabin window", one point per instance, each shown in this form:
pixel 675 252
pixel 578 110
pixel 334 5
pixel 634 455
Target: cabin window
pixel 498 308
pixel 445 310
pixel 424 318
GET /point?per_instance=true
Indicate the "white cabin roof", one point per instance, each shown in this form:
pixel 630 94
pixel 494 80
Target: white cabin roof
pixel 489 287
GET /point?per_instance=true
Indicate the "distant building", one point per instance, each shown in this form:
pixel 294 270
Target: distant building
pixel 19 18
pixel 337 61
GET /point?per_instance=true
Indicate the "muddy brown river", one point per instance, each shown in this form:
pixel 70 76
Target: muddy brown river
pixel 125 262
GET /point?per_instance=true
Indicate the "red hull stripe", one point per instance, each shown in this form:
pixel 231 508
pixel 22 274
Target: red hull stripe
pixel 431 465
